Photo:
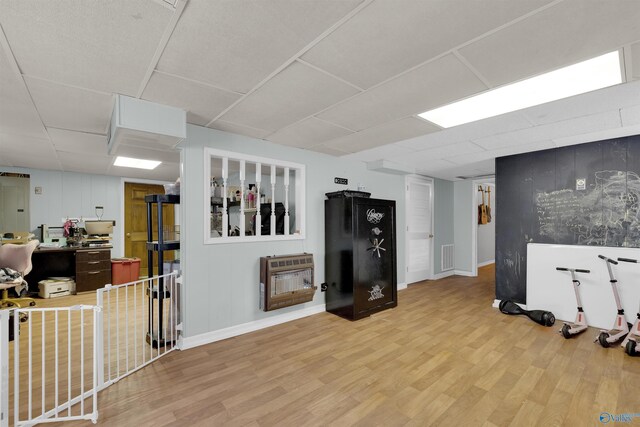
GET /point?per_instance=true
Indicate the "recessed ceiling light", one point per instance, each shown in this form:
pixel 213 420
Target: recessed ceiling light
pixel 595 73
pixel 129 162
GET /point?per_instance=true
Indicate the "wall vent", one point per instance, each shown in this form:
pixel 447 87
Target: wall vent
pixel 447 257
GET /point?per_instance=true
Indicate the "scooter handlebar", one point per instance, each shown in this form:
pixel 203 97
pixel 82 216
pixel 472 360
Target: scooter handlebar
pixel 612 261
pixel 628 260
pixel 577 270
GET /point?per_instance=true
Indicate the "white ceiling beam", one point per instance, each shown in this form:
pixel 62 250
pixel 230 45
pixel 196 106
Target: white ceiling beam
pixel 171 26
pixel 301 52
pixel 4 43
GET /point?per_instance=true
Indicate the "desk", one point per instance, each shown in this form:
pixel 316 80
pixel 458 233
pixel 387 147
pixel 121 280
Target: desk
pixel 91 267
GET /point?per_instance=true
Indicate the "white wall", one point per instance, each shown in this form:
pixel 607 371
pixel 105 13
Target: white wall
pixel 462 206
pixel 70 194
pixel 487 232
pixel 443 220
pixel 222 279
pixel 549 289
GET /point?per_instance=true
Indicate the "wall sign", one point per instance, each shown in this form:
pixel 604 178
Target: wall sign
pixel 343 181
pixel 581 184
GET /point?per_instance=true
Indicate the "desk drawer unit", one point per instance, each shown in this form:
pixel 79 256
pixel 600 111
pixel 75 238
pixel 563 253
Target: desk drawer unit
pixel 93 269
pixel 93 255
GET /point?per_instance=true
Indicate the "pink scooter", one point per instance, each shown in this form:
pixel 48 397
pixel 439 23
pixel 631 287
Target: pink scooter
pixel 620 326
pixel 580 325
pixel 631 344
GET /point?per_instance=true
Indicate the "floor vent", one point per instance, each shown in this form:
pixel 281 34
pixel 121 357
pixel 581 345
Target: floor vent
pixel 447 258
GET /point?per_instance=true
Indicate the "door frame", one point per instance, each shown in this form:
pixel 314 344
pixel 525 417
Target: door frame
pixel 430 181
pixel 123 180
pixel 474 220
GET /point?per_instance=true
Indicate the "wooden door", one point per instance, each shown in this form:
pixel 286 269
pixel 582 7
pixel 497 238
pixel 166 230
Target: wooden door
pixel 135 222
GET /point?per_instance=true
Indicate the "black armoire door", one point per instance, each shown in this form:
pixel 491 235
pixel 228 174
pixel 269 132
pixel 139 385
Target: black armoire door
pixel 374 254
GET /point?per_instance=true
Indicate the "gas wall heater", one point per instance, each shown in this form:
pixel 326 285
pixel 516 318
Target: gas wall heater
pixel 286 280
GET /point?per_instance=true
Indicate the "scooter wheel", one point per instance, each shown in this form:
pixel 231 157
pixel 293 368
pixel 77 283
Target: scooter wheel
pixel 630 348
pixel 565 331
pixel 602 339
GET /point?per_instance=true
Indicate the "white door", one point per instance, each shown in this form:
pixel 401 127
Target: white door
pixel 14 204
pixel 419 228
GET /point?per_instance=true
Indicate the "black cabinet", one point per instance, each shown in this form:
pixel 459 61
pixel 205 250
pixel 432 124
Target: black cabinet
pixel 360 256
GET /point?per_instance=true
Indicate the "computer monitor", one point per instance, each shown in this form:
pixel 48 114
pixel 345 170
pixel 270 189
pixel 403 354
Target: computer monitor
pixel 99 228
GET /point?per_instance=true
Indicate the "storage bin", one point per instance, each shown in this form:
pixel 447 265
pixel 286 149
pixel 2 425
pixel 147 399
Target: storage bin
pixel 124 270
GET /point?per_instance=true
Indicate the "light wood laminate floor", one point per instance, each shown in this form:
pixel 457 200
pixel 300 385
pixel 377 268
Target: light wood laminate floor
pixel 443 357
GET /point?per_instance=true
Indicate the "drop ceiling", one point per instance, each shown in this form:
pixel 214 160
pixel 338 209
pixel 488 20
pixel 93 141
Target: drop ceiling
pixel 341 78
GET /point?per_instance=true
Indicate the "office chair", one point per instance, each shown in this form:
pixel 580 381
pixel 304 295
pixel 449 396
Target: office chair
pixel 16 257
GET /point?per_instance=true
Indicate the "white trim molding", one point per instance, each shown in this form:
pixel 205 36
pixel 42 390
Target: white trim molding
pixel 443 274
pixel 464 273
pixel 244 328
pixel 482 264
pixel 402 286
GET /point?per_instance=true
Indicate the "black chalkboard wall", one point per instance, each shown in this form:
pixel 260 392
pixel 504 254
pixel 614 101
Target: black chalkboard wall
pixel 540 198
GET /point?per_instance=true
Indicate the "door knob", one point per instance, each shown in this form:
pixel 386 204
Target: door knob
pixel 128 234
pixel 430 236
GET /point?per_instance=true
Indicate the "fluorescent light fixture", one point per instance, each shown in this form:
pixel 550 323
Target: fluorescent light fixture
pixel 129 162
pixel 596 73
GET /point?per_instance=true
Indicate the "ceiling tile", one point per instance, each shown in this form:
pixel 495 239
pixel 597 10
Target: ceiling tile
pixel 490 126
pixel 78 142
pixel 322 148
pixel 383 134
pixel 17 113
pixel 506 151
pixel 239 43
pixel 378 153
pixel 385 38
pixel 598 101
pixel 295 93
pixel 25 145
pixel 600 135
pixel 580 125
pixel 201 102
pixel 106 46
pixel 307 133
pixel 239 129
pixel 94 164
pixel 35 161
pixel 477 169
pixel 430 165
pixel 428 86
pixel 66 107
pixel 566 33
pixel 416 158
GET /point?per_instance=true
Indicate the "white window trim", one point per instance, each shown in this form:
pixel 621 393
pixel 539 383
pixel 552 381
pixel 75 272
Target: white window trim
pixel 299 188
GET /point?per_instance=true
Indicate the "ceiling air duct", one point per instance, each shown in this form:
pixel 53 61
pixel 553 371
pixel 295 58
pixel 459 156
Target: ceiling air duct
pixel 144 124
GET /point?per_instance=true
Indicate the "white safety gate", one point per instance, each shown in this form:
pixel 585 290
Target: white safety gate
pixel 54 361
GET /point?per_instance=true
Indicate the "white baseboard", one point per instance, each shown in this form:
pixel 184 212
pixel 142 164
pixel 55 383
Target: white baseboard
pixel 496 303
pixel 464 273
pixel 491 261
pixel 402 286
pixel 233 331
pixel 443 274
